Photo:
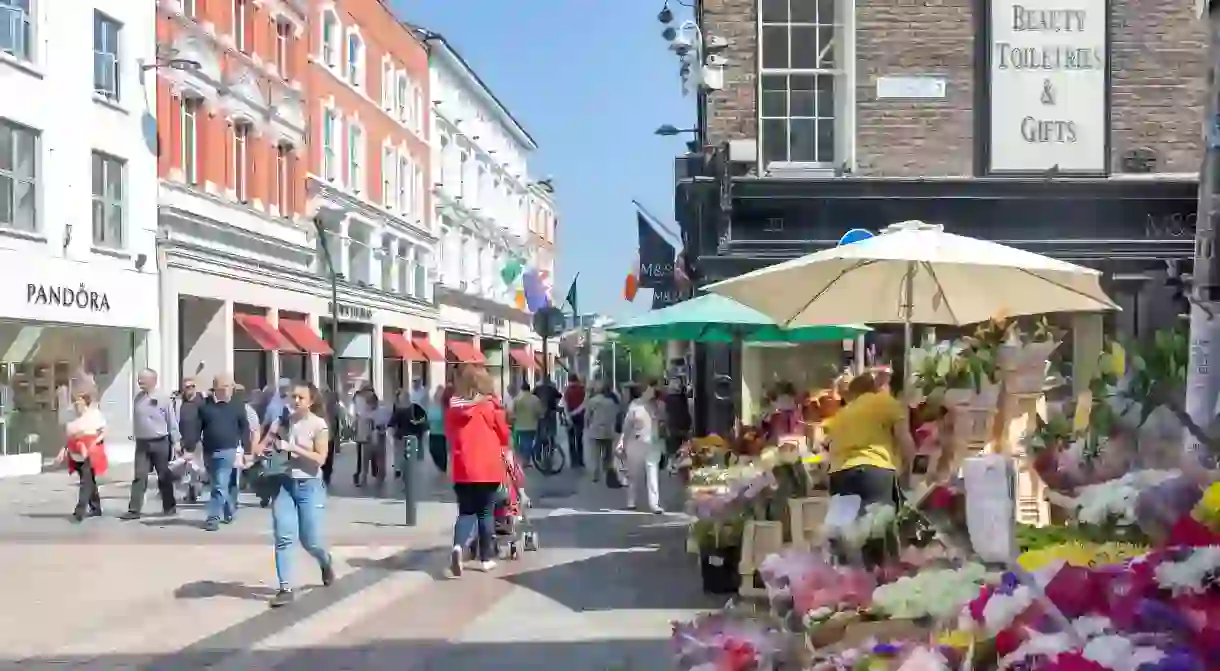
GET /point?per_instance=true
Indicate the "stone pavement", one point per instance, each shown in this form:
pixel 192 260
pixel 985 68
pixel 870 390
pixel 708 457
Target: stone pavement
pixel 599 595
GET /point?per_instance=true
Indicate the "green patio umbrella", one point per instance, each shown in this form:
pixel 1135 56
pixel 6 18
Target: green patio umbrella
pixel 715 318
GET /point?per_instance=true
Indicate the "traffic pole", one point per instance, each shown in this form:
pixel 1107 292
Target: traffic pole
pixel 411 453
pixel 1203 369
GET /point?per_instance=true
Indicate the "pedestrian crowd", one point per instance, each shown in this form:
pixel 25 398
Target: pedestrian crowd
pixel 281 444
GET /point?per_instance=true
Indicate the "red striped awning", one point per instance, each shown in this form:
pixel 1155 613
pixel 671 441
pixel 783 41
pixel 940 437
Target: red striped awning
pixel 263 333
pixel 522 358
pixel 304 336
pixel 400 347
pixel 464 352
pixel 425 348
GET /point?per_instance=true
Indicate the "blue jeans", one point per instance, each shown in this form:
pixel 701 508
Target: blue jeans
pixel 221 502
pixel 297 513
pixel 525 444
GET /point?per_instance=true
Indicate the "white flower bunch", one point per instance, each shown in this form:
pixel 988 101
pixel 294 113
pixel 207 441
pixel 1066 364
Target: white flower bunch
pixel 1114 500
pixel 874 522
pixel 939 593
pixel 1189 575
pixel 1102 647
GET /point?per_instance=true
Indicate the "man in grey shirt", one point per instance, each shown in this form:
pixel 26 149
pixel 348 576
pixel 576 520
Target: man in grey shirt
pixel 155 425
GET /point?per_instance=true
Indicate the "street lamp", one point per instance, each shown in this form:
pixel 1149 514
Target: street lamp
pixel 332 379
pixel 183 64
pixel 669 130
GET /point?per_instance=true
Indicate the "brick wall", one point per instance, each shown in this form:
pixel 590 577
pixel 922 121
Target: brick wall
pixel 1157 53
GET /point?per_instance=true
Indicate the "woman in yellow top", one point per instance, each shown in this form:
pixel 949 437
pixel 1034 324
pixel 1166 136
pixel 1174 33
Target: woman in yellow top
pixel 870 442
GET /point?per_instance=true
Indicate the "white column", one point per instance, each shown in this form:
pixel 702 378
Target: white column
pixel 344 266
pixel 273 318
pixel 377 374
pixel 227 311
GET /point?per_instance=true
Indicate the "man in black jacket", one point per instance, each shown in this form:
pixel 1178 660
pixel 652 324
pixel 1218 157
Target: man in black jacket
pixel 223 429
pixel 188 425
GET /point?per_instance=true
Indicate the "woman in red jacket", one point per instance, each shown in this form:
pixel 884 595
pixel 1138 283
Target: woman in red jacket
pixel 478 436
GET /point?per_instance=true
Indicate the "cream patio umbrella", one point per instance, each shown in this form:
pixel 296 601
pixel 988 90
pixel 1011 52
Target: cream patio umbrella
pixel 916 273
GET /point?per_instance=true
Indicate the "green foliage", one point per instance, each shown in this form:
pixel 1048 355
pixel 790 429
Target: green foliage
pixel 1158 370
pixel 637 359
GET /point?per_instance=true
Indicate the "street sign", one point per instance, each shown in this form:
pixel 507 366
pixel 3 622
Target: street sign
pixel 855 235
pixel 548 322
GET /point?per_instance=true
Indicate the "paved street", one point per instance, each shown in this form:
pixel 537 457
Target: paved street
pixel 163 594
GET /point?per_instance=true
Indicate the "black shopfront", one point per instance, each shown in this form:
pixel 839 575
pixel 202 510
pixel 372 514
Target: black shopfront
pixel 1127 227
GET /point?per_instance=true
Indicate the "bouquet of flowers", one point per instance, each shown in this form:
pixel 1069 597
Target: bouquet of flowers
pixel 724 641
pixel 936 593
pixel 874 522
pixel 1114 501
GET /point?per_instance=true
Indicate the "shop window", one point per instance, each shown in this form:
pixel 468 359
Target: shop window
pixel 106 56
pixel 19 168
pixel 800 67
pixel 17 29
pixel 45 365
pixel 108 218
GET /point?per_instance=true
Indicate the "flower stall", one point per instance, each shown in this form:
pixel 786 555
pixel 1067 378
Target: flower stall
pixel 1129 582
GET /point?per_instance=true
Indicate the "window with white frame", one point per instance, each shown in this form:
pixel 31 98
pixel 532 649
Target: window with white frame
pixel 462 166
pixel 419 265
pixel 106 56
pixel 17 29
pixel 389 168
pixel 283 179
pixel 444 159
pixel 330 145
pixel 283 48
pixel 355 59
pixel 797 106
pixel 19 168
pixel 388 82
pixel 389 245
pixel 402 282
pixel 355 157
pixel 417 111
pixel 189 151
pixel 188 8
pixel 331 39
pixel 400 101
pixel 241 161
pixel 241 34
pixel 404 183
pixel 418 179
pixel 107 201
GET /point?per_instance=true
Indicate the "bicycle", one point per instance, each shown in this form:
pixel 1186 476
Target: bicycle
pixel 547 456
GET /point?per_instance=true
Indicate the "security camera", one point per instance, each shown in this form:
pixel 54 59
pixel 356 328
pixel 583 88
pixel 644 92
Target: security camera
pixel 680 44
pixel 715 43
pixel 669 33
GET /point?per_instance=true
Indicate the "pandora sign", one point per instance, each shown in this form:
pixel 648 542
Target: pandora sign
pixel 1048 85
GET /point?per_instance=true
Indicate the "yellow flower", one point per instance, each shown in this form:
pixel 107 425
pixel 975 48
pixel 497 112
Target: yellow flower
pixel 1000 317
pixel 1207 510
pixel 959 639
pixel 1080 554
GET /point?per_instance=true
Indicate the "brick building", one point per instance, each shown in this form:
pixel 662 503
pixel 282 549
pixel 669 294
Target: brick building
pixel 1071 129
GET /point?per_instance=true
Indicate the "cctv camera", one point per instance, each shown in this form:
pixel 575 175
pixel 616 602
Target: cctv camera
pixel 665 16
pixel 680 44
pixel 669 33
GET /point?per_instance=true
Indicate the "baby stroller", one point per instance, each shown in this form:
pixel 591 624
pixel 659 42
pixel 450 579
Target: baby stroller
pixel 514 531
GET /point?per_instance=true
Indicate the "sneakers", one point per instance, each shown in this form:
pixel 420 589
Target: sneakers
pixel 455 561
pixel 211 525
pixel 281 598
pixel 486 566
pixel 328 571
pixel 130 515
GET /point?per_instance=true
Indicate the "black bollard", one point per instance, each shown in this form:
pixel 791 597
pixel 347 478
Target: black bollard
pixel 410 456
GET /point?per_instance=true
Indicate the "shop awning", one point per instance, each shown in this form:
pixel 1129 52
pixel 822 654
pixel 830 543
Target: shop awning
pixel 522 358
pixel 400 347
pixel 304 336
pixel 263 333
pixel 425 348
pixel 464 352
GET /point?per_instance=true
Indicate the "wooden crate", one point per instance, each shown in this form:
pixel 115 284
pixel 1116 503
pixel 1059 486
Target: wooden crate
pixel 806 517
pixel 1032 506
pixel 759 540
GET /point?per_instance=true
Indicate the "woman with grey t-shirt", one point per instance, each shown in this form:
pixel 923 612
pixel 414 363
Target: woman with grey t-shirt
pixel 297 510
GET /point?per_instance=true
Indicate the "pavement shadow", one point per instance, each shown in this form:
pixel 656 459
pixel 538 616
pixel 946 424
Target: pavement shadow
pixel 394 655
pixel 208 589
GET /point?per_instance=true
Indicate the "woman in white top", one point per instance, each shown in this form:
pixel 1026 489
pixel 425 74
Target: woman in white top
pixel 300 499
pixel 641 445
pixel 84 452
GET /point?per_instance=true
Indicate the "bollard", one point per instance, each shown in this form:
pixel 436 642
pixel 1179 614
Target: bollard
pixel 410 456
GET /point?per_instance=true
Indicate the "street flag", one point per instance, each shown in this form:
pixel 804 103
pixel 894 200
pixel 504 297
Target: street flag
pixel 570 299
pixel 656 255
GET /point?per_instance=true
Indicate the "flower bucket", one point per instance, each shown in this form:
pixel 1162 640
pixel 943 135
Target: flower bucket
pixel 1023 367
pixel 829 632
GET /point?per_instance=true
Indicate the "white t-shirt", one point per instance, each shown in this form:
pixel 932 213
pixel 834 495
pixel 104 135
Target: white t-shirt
pixel 302 432
pixel 89 422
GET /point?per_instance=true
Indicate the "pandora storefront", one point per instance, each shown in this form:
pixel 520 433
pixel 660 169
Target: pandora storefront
pixel 64 324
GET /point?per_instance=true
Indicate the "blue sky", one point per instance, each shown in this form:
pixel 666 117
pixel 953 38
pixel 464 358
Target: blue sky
pixel 591 80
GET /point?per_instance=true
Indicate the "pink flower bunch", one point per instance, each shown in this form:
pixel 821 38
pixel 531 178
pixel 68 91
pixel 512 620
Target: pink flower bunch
pixel 723 642
pixel 813 584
